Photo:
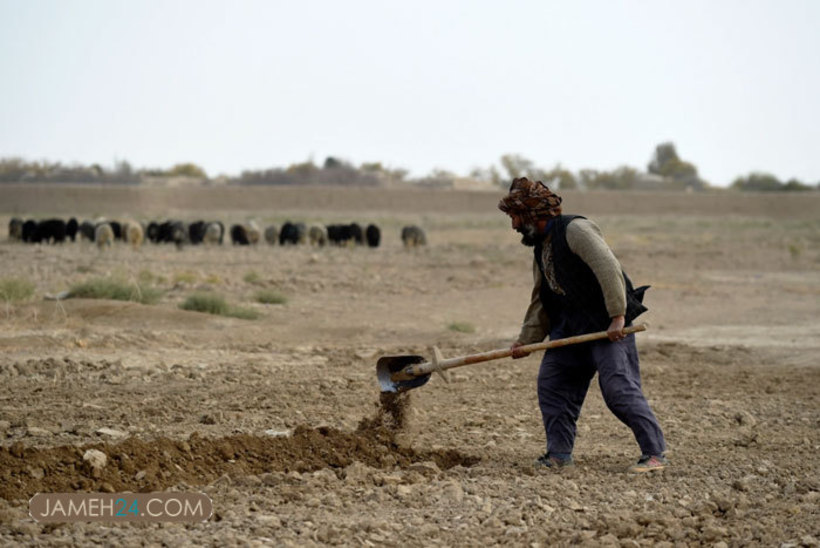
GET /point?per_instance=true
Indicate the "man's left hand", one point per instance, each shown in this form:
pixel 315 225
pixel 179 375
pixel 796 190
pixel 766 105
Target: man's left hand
pixel 615 331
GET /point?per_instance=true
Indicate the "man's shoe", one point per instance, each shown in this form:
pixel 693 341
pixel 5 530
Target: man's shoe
pixel 546 461
pixel 649 463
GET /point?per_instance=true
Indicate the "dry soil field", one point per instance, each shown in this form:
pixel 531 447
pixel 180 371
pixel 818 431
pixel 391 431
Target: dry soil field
pixel 188 401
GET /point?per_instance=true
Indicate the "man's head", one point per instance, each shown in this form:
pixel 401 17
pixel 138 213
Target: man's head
pixel 530 205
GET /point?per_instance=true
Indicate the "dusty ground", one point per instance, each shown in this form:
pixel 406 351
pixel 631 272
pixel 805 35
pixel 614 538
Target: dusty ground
pixel 730 366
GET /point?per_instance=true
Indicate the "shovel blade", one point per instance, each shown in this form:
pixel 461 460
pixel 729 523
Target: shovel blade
pixel 387 365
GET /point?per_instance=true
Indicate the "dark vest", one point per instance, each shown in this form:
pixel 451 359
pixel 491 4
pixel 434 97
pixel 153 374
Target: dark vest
pixel 581 309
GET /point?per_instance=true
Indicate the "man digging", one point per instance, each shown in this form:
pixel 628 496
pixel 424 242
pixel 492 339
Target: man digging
pixel 580 288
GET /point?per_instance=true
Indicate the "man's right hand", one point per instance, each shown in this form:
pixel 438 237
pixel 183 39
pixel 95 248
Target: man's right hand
pixel 516 353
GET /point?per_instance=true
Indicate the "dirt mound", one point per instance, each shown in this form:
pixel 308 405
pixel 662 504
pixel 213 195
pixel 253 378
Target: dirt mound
pixel 140 465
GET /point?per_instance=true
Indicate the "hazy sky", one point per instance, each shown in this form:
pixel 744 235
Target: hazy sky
pixel 420 85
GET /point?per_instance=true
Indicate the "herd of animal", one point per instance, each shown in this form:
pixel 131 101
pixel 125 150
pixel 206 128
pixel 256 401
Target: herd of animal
pixel 105 233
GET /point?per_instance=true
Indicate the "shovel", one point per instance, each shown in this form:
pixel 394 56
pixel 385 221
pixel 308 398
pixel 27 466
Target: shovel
pixel 402 373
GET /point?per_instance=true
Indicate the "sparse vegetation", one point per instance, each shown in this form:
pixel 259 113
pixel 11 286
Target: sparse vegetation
pixel 461 327
pixel 252 277
pixel 269 296
pixel 14 290
pixel 118 290
pixel 212 303
pixel 186 277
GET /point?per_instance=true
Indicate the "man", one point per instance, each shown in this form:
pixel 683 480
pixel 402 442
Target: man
pixel 580 288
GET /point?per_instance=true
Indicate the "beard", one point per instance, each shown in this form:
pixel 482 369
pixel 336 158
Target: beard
pixel 529 235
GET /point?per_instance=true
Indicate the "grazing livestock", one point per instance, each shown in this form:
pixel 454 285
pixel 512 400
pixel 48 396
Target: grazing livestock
pixel 86 230
pixel 214 232
pixel 253 232
pixel 239 236
pixel 117 228
pixel 30 231
pixel 51 231
pixel 71 228
pixel 133 233
pixel 357 232
pixel 16 229
pixel 272 234
pixel 104 235
pixel 413 236
pixel 289 235
pixel 317 235
pixel 170 232
pixel 152 232
pixel 345 234
pixel 373 235
pixel 196 232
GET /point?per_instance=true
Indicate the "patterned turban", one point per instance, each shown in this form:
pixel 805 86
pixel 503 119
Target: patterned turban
pixel 531 200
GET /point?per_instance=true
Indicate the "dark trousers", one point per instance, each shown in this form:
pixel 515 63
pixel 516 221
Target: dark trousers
pixel 564 379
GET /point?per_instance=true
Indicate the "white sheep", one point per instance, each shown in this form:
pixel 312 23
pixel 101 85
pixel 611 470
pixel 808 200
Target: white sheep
pixel 317 235
pixel 272 234
pixel 104 235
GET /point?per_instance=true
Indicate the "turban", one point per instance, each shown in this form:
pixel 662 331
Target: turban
pixel 531 200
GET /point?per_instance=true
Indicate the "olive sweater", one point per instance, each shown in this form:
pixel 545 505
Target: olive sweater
pixel 584 238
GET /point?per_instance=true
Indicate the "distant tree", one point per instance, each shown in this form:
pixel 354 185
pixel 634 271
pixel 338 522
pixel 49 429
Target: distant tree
pixel 667 163
pixel 796 185
pixel 516 166
pixel 187 170
pixel 623 178
pixel 559 178
pixel 758 181
pixel 334 163
pixel 303 171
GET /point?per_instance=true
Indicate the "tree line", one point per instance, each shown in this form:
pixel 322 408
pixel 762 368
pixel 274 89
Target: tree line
pixel 666 170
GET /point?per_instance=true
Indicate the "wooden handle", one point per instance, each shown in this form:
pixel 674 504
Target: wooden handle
pixel 412 371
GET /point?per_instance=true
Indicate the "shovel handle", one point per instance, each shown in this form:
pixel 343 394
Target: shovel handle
pixel 426 368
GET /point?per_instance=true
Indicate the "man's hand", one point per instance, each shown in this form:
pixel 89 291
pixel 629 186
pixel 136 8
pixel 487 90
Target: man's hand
pixel 615 331
pixel 516 354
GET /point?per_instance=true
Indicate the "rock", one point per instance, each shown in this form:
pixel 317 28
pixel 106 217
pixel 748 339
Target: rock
pixel 358 473
pixel 404 491
pixel 714 533
pixel 744 418
pixel 37 431
pixel 139 476
pixel 808 540
pixel 425 467
pixel 26 528
pixel 95 460
pixel 106 487
pixel 111 432
pixel 37 473
pixel 4 426
pixel 278 433
pixel 454 492
pixel 269 520
pixel 388 479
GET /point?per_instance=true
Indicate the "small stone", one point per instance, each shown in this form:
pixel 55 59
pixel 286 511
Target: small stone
pixel 37 431
pixel 269 520
pixel 425 467
pixel 106 487
pixel 95 460
pixel 37 473
pixel 139 476
pixel 278 433
pixel 26 528
pixel 4 426
pixel 111 432
pixel 454 492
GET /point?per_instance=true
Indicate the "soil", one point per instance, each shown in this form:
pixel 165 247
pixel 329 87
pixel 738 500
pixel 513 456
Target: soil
pixel 280 420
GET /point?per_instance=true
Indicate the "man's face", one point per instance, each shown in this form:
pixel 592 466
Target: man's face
pixel 529 232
